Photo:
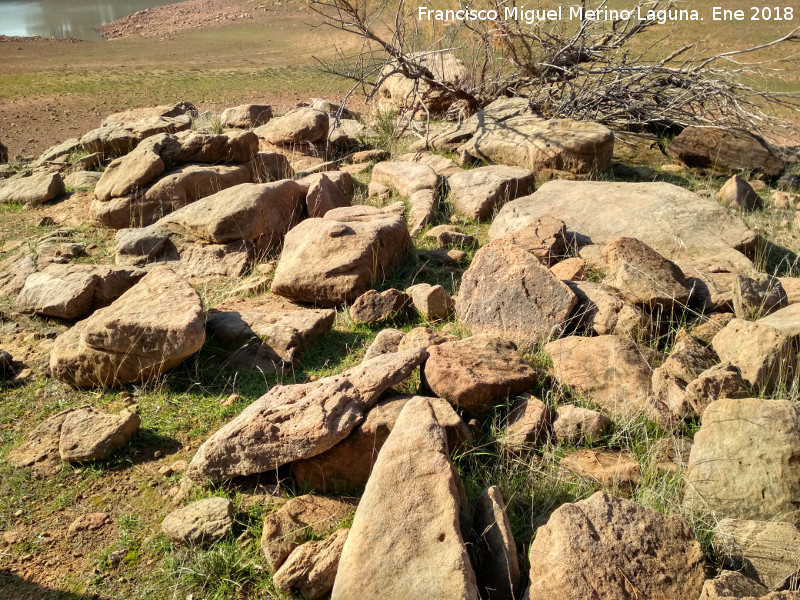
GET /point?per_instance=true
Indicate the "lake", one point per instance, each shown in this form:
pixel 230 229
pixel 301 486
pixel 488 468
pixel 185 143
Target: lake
pixel 66 18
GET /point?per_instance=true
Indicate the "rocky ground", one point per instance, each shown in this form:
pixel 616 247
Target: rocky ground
pixel 271 354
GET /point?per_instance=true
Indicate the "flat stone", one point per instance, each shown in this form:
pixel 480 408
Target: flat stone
pixel 574 425
pixel 246 116
pixel 89 434
pixel 387 341
pixel 311 568
pixel 299 126
pixel 608 468
pixel 200 523
pixel 724 150
pixel 32 190
pixel 374 307
pixel 715 383
pixel 544 238
pixel 732 585
pixel 529 423
pixel 602 311
pixel 478 193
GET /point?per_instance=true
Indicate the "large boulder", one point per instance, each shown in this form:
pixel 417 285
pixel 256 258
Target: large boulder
pixel 744 461
pixel 265 333
pixel 426 556
pixel 507 292
pixel 400 94
pixel 72 291
pixel 606 547
pixel 116 138
pixel 477 373
pixel 347 466
pixel 150 328
pixel 335 259
pixel 477 193
pixel 417 182
pixel 676 223
pixel 32 190
pixel 612 371
pixel 534 143
pixel 246 116
pixel 725 150
pixel 299 126
pixel 294 422
pixel 200 523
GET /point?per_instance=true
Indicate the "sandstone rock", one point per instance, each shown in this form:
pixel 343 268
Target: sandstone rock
pixel 732 585
pixel 89 522
pixel 334 259
pixel 431 301
pixel 768 552
pixel 82 180
pixel 246 116
pixel 387 341
pixel 763 354
pixel 134 171
pixel 269 166
pixel 150 328
pixel 119 138
pixel 715 383
pixel 347 466
pixel 544 238
pixel 570 269
pixel 323 195
pixel 724 150
pixel 379 190
pixel 265 333
pixel 601 311
pixel 574 425
pixel 285 528
pixel 427 557
pixel 311 568
pixel 424 337
pixel 365 156
pixel 89 434
pixel 671 406
pixel 32 190
pixel 477 373
pixel 398 93
pixel 346 134
pixel 374 307
pixel 443 166
pixel 507 292
pixel 6 365
pixel 528 424
pixel 74 290
pixel 642 276
pixel 783 200
pixel 739 195
pixel 757 296
pixel 423 208
pixel 613 372
pixel 59 150
pixel 198 147
pixel 711 325
pixel 608 468
pixel 14 270
pixel 674 222
pixel 743 463
pixel 448 236
pixel 534 143
pixel 332 108
pixel 405 177
pixel 293 422
pixel 786 320
pixel 40 449
pixel 608 537
pixel 499 574
pixel 200 523
pixel 299 126
pixel 477 193
pixel 688 358
pixel 450 258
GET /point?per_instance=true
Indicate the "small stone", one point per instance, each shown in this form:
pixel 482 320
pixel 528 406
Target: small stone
pixel 374 307
pixel 202 522
pixel 574 425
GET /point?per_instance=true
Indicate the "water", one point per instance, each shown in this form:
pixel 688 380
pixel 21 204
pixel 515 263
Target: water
pixel 66 18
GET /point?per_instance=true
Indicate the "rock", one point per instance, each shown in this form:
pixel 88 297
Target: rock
pixel 32 190
pixel 499 575
pixel 743 463
pixel 423 208
pixel 387 341
pixel 365 156
pixel 285 528
pixel 732 585
pixel 715 383
pixel 40 449
pixel 763 354
pixel 674 222
pixel 688 358
pixel 323 195
pixel 570 269
pixel 786 320
pixel 442 166
pixel 333 108
pixel 200 523
pixel 134 171
pixel 783 200
pixel 710 326
pixel 405 177
pixel 477 373
pixel 544 238
pixel 246 116
pixel 335 259
pixel 72 291
pixel 299 126
pixel 739 195
pixel 427 557
pixel 119 138
pixel 642 276
pixel 53 153
pixel 669 399
pixel 574 425
pixel 599 310
pixel 82 180
pixel 127 117
pixel 612 371
pixel 269 166
pixel 507 292
pixel 346 134
pixel 89 434
pixel 478 193
pixel 347 466
pixel 197 147
pixel 450 258
pixel 150 328
pixel 533 143
pixel 447 236
pixel 724 150
pixel 89 522
pixel 528 424
pixel 374 307
pixel 768 552
pixel 379 190
pixel 265 333
pixel 608 468
pixel 431 301
pixel 311 568
pixel 757 296
pixel 424 337
pixel 293 422
pixel 623 545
